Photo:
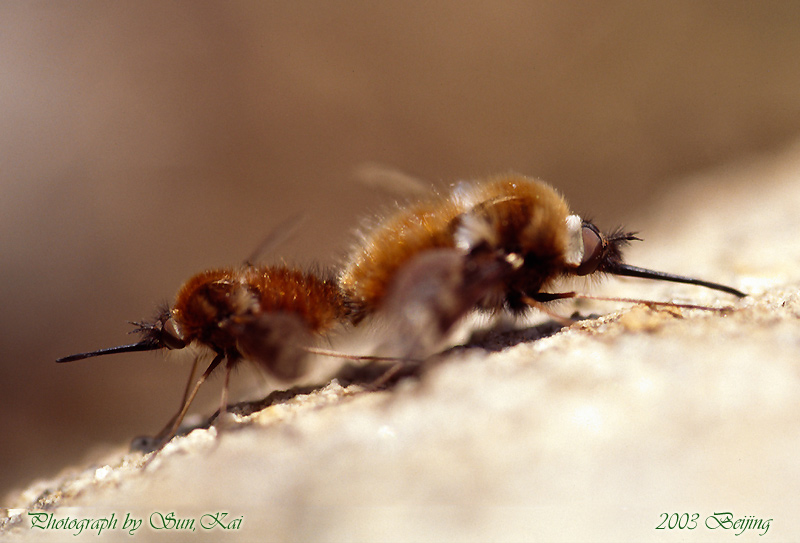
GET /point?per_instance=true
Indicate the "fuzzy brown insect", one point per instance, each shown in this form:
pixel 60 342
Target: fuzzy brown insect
pixel 264 314
pixel 500 244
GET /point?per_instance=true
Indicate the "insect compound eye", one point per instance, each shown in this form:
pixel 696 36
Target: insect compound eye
pixel 594 248
pixel 171 335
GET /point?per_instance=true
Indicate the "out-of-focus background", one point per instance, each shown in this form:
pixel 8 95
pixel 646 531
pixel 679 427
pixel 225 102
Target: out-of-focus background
pixel 143 141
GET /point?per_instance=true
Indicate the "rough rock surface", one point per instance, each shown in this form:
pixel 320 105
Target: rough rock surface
pixel 597 432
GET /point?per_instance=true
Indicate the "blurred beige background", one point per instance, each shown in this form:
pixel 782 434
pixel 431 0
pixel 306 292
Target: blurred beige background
pixel 145 141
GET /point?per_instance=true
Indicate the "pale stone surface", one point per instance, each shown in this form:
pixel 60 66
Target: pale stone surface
pixel 594 433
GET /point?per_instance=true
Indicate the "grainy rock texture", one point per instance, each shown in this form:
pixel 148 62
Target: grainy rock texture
pixel 598 432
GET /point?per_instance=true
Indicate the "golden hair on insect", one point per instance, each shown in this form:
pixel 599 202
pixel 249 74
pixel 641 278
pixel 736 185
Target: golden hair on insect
pixel 266 315
pixel 386 248
pixel 499 244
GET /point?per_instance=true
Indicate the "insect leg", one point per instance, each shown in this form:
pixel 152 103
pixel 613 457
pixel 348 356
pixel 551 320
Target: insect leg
pixel 170 430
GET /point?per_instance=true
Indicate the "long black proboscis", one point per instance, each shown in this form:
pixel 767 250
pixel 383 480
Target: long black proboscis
pixel 146 345
pixel 634 271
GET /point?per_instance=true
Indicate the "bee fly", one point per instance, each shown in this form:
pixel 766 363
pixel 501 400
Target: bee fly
pixel 501 244
pixel 269 315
